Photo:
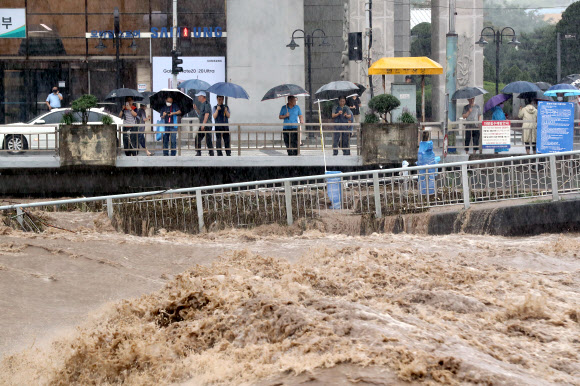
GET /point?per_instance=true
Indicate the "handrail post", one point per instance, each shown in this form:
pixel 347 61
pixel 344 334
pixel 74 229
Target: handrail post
pixel 199 203
pixel 239 140
pixel 465 183
pixel 110 207
pixel 377 194
pixel 554 178
pixel 299 141
pixel 19 217
pixel 288 197
pixel 178 140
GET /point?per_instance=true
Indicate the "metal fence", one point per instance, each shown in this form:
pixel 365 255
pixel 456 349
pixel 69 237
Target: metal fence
pixel 377 193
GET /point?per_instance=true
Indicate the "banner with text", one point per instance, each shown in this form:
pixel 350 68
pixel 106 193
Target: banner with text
pixel 495 135
pixel 555 127
pixel 208 69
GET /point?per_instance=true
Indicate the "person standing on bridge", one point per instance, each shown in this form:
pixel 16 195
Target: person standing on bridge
pixel 221 114
pixel 204 131
pixel 471 112
pixel 291 113
pixel 169 114
pixel 341 136
pixel 530 115
pixel 129 115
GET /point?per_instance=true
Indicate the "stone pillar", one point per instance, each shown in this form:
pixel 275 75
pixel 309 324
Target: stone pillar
pixel 402 32
pixel 383 40
pixel 469 23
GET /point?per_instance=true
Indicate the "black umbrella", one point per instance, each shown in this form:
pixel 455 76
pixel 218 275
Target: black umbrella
pixel 361 89
pixel 539 95
pixel 519 87
pixel 543 85
pixel 284 90
pixel 468 92
pixel 184 101
pixel 570 79
pixel 146 95
pixel 119 95
pixel 336 89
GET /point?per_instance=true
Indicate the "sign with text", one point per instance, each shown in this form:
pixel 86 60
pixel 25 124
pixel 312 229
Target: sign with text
pixel 208 69
pixel 495 135
pixel 555 127
pixel 13 23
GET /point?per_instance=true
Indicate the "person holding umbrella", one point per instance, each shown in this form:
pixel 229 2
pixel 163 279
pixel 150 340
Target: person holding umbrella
pixel 471 112
pixel 221 114
pixel 204 117
pixel 169 114
pixel 291 113
pixel 354 104
pixel 129 115
pixel 341 114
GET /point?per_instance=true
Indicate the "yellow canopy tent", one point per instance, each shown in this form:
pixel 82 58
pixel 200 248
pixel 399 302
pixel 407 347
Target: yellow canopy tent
pixel 421 65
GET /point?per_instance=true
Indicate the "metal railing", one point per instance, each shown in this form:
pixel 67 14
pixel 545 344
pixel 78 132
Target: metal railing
pixel 244 138
pixel 377 193
pixel 434 131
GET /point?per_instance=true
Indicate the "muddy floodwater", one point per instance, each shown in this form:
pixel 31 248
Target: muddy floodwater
pixel 286 306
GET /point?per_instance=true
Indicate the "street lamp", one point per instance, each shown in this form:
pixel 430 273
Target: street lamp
pixel 117 35
pixel 498 39
pixel 309 41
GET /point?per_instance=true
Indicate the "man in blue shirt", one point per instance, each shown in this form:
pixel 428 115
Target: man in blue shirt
pixel 291 113
pixel 341 114
pixel 53 100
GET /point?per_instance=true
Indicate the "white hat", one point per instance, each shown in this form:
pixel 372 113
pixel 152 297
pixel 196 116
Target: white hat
pixel 200 93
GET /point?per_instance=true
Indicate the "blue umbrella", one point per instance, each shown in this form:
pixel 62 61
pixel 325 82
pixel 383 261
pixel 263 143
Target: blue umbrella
pixel 229 90
pixel 520 87
pixel 194 84
pixel 561 88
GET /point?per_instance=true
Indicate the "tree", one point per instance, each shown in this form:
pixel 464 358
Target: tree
pixel 384 104
pixel 569 24
pixel 83 104
pixel 421 40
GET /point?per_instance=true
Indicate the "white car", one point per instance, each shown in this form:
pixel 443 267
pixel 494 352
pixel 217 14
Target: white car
pixel 40 132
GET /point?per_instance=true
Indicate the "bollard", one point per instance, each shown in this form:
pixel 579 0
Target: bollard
pixel 110 207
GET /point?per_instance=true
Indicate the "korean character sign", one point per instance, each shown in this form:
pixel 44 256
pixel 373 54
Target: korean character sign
pixel 13 23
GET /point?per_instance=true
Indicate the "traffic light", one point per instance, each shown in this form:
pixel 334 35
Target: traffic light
pixel 175 62
pixel 185 36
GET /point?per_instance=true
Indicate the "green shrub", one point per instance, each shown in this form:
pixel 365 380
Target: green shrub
pixel 327 109
pixel 68 118
pixel 107 120
pixel 407 117
pixel 83 104
pixel 371 118
pixel 384 104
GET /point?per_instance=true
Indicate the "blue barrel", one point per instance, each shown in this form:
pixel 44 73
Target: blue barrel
pixel 426 177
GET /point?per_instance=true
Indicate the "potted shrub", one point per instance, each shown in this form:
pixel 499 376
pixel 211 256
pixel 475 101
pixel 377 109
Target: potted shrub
pixel 81 143
pixel 387 143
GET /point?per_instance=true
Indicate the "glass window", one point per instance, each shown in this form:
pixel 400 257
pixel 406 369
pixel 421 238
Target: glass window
pixel 55 117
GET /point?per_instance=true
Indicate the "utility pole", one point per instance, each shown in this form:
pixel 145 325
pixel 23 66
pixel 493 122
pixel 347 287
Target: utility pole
pixel 174 30
pixel 370 38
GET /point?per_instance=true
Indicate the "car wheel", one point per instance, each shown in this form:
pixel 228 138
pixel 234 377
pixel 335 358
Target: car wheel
pixel 15 144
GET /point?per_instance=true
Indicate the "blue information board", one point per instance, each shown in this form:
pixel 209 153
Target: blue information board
pixel 555 127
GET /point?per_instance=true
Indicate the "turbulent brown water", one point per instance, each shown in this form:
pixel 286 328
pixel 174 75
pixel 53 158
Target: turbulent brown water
pixel 278 306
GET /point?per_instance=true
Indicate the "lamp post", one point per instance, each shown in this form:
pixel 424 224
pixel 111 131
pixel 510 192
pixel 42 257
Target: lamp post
pixel 308 41
pixel 117 39
pixel 497 39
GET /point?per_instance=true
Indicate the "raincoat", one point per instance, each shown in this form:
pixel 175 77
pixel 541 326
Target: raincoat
pixel 529 113
pixel 498 114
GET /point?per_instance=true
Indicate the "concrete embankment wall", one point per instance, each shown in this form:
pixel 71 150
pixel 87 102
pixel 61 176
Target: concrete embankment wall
pixel 516 220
